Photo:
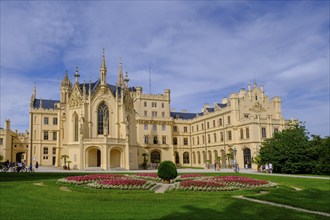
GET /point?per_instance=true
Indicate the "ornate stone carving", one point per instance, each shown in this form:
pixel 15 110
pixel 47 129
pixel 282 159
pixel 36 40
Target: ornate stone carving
pixel 75 98
pixel 128 101
pixel 257 107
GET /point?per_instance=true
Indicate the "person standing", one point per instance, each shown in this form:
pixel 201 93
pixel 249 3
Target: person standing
pixel 19 166
pixel 37 165
pixel 270 166
pixel 215 165
pixel 267 168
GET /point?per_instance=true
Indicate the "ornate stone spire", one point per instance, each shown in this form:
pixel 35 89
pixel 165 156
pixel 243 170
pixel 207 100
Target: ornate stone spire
pixel 120 75
pixel 126 79
pixel 103 70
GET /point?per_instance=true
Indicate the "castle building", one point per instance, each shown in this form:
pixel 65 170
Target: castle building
pixel 97 125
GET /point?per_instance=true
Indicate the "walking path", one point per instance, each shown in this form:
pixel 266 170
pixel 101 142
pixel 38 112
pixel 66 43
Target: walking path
pixel 162 188
pixel 283 206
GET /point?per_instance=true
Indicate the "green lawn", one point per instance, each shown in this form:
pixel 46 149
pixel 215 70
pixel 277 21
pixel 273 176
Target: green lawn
pixel 21 199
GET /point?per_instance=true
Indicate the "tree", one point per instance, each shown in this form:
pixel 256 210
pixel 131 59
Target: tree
pixel 291 151
pixel 167 171
pixel 257 160
pixel 287 150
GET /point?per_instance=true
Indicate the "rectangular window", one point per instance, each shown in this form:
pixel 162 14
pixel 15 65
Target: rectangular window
pixel 263 132
pixel 45 150
pixel 247 133
pixel 45 135
pixel 155 139
pixel 213 123
pixel 208 138
pixel 185 129
pixel 246 115
pixel 55 135
pixel 54 121
pixel 203 139
pixel 197 140
pixel 145 113
pixel 154 104
pixel 154 127
pixel 241 133
pixel 208 125
pixel 1 141
pixel 164 139
pixel 202 126
pixel 220 122
pixel 145 127
pixel 145 104
pixel 54 150
pixel 175 141
pixel 175 129
pixel 185 141
pixel 163 105
pixel 45 157
pixel 221 136
pixel 146 139
pixel 196 127
pixel 154 114
pixel 215 137
pixel 229 135
pixel 228 120
pixel 45 120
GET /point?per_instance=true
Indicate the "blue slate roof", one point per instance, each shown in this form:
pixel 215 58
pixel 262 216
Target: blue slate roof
pixel 46 104
pixel 94 86
pixel 210 109
pixel 222 105
pixel 182 115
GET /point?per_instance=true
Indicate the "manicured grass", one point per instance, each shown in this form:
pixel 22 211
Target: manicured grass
pixel 21 199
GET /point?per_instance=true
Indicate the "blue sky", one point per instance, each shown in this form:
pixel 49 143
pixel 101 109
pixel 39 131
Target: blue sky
pixel 202 51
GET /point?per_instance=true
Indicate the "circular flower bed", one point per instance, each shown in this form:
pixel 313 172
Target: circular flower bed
pixel 111 181
pixel 220 183
pixel 148 181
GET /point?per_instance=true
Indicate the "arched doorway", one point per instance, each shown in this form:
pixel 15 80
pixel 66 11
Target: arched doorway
pixel 93 157
pixel 19 156
pixel 186 158
pixel 115 158
pixel 247 157
pixel 155 157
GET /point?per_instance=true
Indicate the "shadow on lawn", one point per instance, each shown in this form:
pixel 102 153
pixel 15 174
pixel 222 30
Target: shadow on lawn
pixel 239 210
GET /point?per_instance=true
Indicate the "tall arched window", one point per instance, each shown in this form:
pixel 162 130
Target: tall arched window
pixel 185 157
pixel 102 119
pixel 75 127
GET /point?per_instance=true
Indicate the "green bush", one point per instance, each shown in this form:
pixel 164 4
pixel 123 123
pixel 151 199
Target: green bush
pixel 167 170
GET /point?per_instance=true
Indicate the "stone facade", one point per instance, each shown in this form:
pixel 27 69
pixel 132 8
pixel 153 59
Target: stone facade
pixel 102 126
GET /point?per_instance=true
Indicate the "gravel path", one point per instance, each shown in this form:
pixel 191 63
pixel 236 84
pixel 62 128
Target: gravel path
pixel 283 206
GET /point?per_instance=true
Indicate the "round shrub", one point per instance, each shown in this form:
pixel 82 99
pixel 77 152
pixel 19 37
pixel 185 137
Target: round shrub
pixel 167 170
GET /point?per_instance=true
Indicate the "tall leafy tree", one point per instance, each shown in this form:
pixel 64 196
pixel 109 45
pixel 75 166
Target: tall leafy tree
pixel 287 150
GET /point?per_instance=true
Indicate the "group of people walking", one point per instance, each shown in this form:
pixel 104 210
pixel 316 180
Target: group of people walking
pixel 267 168
pixel 19 166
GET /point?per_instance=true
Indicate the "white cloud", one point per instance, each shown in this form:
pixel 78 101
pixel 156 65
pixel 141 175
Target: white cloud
pixel 210 48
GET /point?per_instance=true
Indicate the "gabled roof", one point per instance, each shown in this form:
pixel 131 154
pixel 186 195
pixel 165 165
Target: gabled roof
pixel 94 86
pixel 46 103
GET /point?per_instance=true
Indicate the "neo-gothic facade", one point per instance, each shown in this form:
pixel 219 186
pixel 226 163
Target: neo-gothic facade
pixel 104 126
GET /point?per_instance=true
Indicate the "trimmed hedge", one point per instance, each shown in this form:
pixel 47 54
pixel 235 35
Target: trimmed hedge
pixel 167 170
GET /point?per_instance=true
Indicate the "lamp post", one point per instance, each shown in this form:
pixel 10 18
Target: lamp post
pixel 235 164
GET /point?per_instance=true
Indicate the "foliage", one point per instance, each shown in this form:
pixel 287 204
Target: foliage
pixel 167 170
pixel 257 160
pixel 291 151
pixel 87 203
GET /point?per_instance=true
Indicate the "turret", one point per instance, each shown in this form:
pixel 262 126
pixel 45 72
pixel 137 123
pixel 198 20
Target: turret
pixel 34 95
pixel 65 88
pixel 7 124
pixel 103 71
pixel 120 81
